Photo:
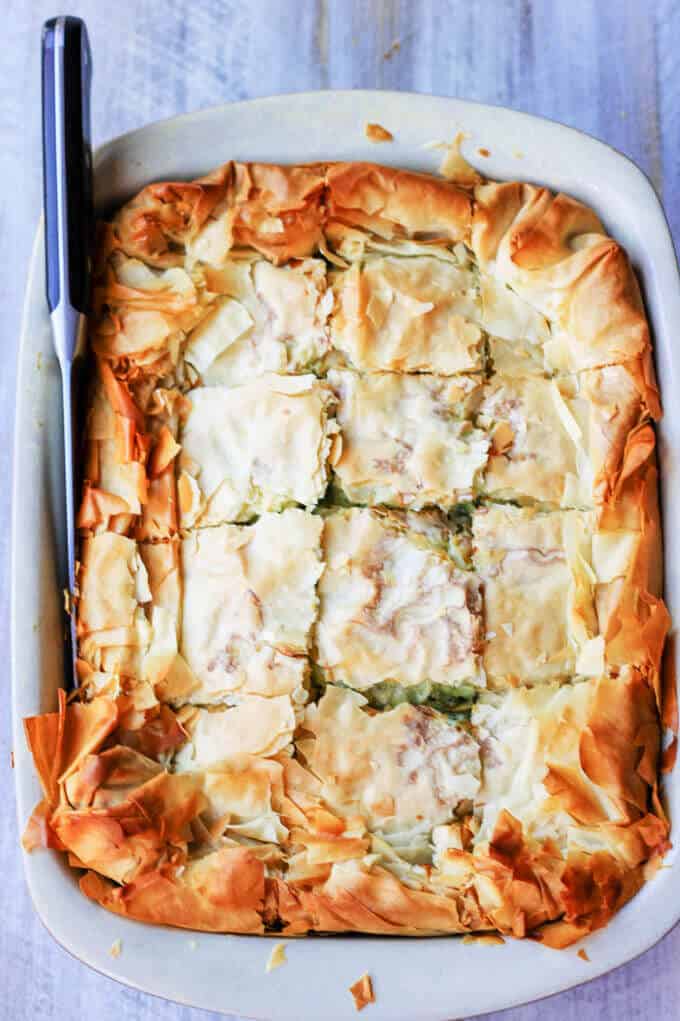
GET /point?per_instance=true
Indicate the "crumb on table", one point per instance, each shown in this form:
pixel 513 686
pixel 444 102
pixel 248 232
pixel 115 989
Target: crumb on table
pixel 485 939
pixel 377 133
pixel 277 957
pixel 362 991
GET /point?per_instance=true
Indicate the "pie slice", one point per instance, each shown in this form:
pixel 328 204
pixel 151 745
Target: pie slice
pixel 408 441
pixel 570 763
pixel 129 606
pixel 518 336
pixel 558 442
pixel 408 314
pixel 396 612
pixel 265 319
pixel 130 450
pixel 404 770
pixel 141 314
pixel 258 447
pixel 220 738
pixel 249 604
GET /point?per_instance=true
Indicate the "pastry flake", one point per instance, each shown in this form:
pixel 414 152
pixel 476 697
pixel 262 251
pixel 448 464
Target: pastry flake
pixel 362 992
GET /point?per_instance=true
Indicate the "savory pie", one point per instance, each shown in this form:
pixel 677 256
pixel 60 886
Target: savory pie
pixel 369 606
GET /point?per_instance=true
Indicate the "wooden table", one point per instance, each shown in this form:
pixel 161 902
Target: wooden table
pixel 610 68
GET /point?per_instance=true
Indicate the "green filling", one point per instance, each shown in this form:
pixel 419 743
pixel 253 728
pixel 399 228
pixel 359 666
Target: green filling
pixel 334 496
pixel 454 702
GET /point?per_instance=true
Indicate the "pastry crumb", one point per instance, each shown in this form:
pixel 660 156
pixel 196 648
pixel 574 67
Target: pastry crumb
pixel 362 991
pixel 583 955
pixel 487 939
pixel 484 152
pixel 116 948
pixel 394 48
pixel 377 133
pixel 277 957
pixel 454 166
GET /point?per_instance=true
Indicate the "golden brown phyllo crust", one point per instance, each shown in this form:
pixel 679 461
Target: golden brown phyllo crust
pixel 369 611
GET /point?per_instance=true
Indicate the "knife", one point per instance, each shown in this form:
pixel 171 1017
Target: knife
pixel 67 184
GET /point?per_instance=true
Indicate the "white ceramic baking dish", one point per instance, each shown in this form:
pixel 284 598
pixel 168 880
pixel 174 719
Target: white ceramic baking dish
pixel 429 979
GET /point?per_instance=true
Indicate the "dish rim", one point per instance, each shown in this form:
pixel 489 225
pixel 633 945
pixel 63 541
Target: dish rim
pixel 360 99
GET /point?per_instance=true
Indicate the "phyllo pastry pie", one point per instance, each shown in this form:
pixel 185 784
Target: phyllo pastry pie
pixel 369 587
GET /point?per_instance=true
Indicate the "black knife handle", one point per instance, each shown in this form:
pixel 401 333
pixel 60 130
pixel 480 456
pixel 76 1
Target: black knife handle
pixel 67 161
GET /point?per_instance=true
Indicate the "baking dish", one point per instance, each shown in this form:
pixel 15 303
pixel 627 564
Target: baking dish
pixel 446 977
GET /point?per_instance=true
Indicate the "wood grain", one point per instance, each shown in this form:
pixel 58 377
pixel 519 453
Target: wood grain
pixel 612 69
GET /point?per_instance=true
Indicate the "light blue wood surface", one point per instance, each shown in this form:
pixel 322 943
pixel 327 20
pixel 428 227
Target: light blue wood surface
pixel 610 68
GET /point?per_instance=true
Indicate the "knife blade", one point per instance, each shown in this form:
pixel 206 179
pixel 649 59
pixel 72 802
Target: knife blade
pixel 67 194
